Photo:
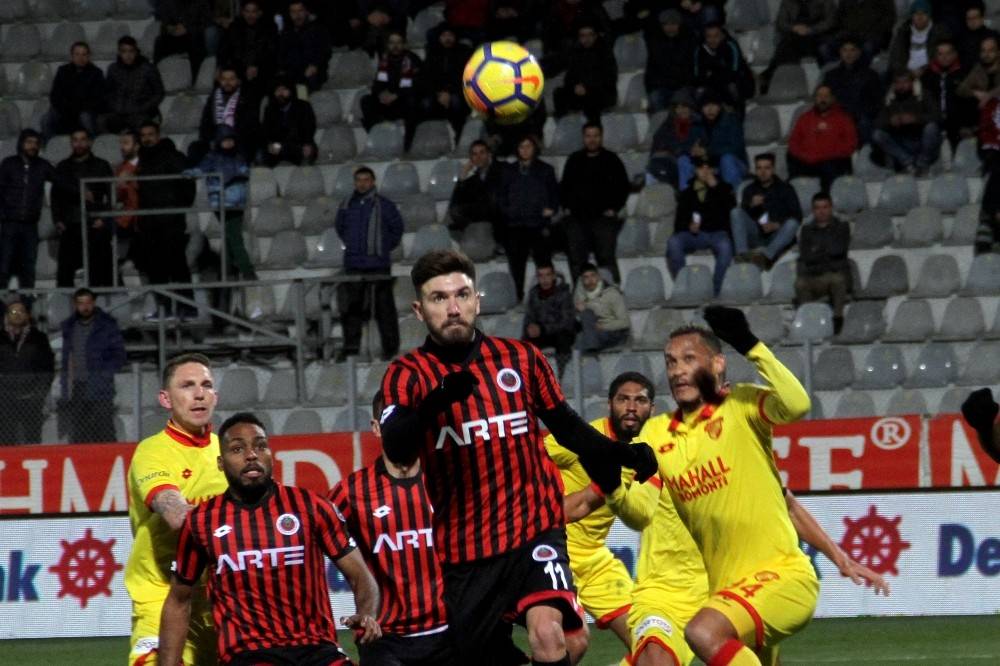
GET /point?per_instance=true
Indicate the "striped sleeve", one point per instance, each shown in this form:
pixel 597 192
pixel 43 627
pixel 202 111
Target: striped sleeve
pixel 547 394
pixel 401 386
pixel 332 530
pixel 191 556
pixel 340 498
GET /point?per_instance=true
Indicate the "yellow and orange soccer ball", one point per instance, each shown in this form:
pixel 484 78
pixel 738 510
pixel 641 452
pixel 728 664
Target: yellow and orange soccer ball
pixel 503 82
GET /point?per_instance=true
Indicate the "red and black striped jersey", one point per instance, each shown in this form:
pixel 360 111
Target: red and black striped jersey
pixel 483 460
pixel 391 520
pixel 266 570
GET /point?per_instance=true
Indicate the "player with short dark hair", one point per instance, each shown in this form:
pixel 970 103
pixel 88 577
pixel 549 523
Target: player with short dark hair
pixel 262 545
pixel 468 405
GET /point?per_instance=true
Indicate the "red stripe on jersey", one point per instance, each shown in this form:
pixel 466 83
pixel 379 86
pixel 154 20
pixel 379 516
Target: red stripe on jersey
pixel 484 460
pixel 656 481
pixel 152 493
pixel 760 408
pixel 645 642
pixel 758 623
pixel 605 620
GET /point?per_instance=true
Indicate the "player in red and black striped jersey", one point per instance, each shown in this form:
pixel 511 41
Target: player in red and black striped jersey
pixel 468 406
pixel 263 545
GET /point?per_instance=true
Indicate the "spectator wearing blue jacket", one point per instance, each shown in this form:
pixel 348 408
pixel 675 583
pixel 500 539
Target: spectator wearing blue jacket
pixel 370 227
pixel 768 218
pixel 719 139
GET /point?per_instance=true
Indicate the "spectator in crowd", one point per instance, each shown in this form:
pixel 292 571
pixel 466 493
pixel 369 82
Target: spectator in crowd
pixel 370 227
pixel 76 96
pixel 66 213
pixel 604 320
pixel 304 48
pixel 988 231
pixel 22 193
pixel 768 216
pixel 867 23
pixel 913 43
pixel 550 317
pixel 822 140
pixel 442 79
pixel 160 241
pixel 92 352
pixel 591 78
pixel 512 18
pixel 529 198
pixel 970 38
pixel 719 66
pixel 989 134
pixel 379 19
pixel 228 105
pixel 953 13
pixel 249 45
pixel 907 130
pixel 289 127
pixel 560 30
pixel 669 59
pixel 594 188
pixel 395 93
pixel 939 83
pixel 822 269
pixel 225 158
pixel 983 80
pixel 476 194
pixel 856 87
pixel 127 192
pixel 134 89
pixel 184 25
pixel 27 366
pixel 702 222
pixel 718 138
pixel 802 26
pixel 673 139
pixel 468 19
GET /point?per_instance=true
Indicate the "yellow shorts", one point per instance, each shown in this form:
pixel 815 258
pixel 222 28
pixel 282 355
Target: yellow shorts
pixel 200 648
pixel 659 617
pixel 769 604
pixel 604 587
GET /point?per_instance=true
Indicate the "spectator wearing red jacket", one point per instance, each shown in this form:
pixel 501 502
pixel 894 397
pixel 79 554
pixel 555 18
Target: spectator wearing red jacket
pixel 989 135
pixel 822 140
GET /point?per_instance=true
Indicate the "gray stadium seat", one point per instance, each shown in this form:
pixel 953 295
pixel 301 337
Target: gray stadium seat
pixel 787 85
pixel 632 362
pixel 304 183
pixel 10 119
pixel 948 192
pixel 497 293
pixel 288 250
pixel 477 241
pixel 883 368
pixel 302 422
pixel 951 401
pixel 204 82
pixel 237 389
pixel 747 15
pixel 888 277
pixel 739 370
pixel 921 228
pixel 643 288
pixel 813 321
pixel 805 188
pixel 337 145
pixel 351 69
pixel 935 366
pixel 854 405
pixel 656 203
pixel 595 409
pixel 849 194
pixel 412 332
pixel 12 10
pixel 867 170
pixel 620 132
pixel 912 322
pixel 899 195
pixel 634 100
pixel 766 322
pixel 966 160
pixel 342 422
pixel 431 139
pixel 175 72
pixel 107 147
pixel 963 320
pixel 984 276
pixel 184 114
pixel 834 369
pixel 280 390
pixel 509 325
pixel 633 239
pixel 994 332
pixel 905 402
pixel 568 137
pixel 872 229
pixel 57 148
pixel 983 366
pixel 418 211
pixel 761 126
pixel 326 106
pixel 400 180
pixel 692 286
pixel 444 174
pixel 384 141
pixel 21 42
pixel 593 381
pixel 864 322
pixel 792 359
pixel 630 52
pixel 659 323
pixel 56 47
pixel 782 283
pixel 373 380
pixel 426 18
pixel 964 225
pixel 430 237
pixel 318 216
pixel 331 386
pixel 473 129
pixel 132 9
pixel 271 217
pixel 939 277
pixel 742 285
pixel 263 185
pixel 33 79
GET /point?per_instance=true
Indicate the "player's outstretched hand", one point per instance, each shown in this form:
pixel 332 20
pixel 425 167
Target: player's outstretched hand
pixel 861 575
pixel 365 627
pixel 454 387
pixel 603 470
pixel 980 410
pixel 731 325
pixel 640 457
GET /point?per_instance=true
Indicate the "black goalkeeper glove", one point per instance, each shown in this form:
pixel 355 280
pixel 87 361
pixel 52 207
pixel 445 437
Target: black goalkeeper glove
pixel 730 325
pixel 980 410
pixel 640 457
pixel 454 387
pixel 603 470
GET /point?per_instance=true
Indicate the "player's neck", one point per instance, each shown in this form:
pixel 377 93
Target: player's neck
pixel 452 352
pixel 187 430
pixel 252 495
pixel 688 408
pixel 397 471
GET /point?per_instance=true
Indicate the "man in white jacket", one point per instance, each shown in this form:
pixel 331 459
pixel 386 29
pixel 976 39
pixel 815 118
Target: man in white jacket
pixel 601 306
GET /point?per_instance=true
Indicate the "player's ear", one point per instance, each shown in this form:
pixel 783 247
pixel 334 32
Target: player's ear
pixel 417 310
pixel 376 428
pixel 218 462
pixel 719 365
pixel 164 399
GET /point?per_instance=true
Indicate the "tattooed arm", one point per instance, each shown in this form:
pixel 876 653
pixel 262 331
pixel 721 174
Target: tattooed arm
pixel 172 506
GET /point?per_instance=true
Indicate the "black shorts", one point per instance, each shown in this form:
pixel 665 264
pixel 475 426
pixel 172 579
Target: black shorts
pixel 482 595
pixel 324 654
pixel 396 650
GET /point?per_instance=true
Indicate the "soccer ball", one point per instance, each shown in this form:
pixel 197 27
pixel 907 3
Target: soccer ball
pixel 503 82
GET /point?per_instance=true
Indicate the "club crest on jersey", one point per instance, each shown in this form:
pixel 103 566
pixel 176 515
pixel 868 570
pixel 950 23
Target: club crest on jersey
pixel 382 511
pixel 287 524
pixel 714 428
pixel 508 380
pixel 222 531
pixel 667 448
pixel 544 553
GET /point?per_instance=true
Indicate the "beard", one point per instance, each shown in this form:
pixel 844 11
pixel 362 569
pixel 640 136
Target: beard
pixel 249 491
pixel 454 332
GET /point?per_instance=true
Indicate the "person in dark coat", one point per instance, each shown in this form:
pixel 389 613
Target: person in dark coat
pixel 674 139
pixel 22 192
pixel 27 367
pixel 304 48
pixel 529 198
pixel 939 83
pixel 475 196
pixel 669 59
pixel 907 130
pixel 823 270
pixel 76 96
pixel 395 94
pixel 868 23
pixel 442 80
pixel 289 129
pixel 719 66
pixel 92 352
pixel 82 163
pixel 913 43
pixel 250 45
pixel 802 27
pixel 183 26
pixel 768 216
pixel 718 137
pixel 591 79
pixel 594 189
pixel 133 89
pixel 969 39
pixel 230 105
pixel 856 87
pixel 550 316
pixel 370 227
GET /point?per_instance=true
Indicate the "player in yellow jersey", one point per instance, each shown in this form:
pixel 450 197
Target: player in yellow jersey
pixel 171 472
pixel 604 585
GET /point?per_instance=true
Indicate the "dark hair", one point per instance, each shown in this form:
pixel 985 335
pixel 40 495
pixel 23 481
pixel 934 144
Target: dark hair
pixel 948 41
pixel 587 267
pixel 181 359
pixel 364 169
pixel 634 377
pixel 544 263
pixel 84 130
pixel 708 337
pixel 534 142
pixel 83 291
pixel 480 142
pixel 992 38
pixel 976 4
pixel 378 404
pixel 822 196
pixel 231 67
pixel 592 123
pixel 440 262
pixel 130 132
pixel 250 2
pixel 150 123
pixel 764 156
pixel 849 39
pixel 714 24
pixel 236 419
pixel 81 43
pixel 128 40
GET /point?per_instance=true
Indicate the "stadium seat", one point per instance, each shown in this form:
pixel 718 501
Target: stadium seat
pixel 384 141
pixel 787 85
pixel 904 402
pixel 351 69
pixel 888 277
pixel 263 186
pixel 473 129
pixel 994 332
pixel 872 230
pixel 497 293
pixel 337 145
pixel 630 52
pixel 237 388
pixel 805 188
pixel 849 195
pixel 430 237
pixel 761 45
pixel 342 422
pixel 746 15
pixel 412 333
pixel 633 239
pixel 935 366
pixel 595 409
pixel 568 137
pixel 432 139
pixel 656 203
pixel 204 82
pixel 864 322
pixel 331 385
pixel 948 192
pixel 304 183
pixel 855 405
pixel 966 160
pixel 175 72
pixel 963 228
pixel 742 285
pixel 633 362
pixel 983 366
pixel 259 301
pixel 373 379
pixel 426 19
pixel 984 276
pixel 813 321
pixel 659 322
pixel 183 114
pixel 592 379
pixel 899 195
pixel 326 106
pixel 692 286
pixel 271 217
pixel 281 390
pixel 782 283
pixel 963 320
pixel 620 132
pixel 302 422
pixel 318 216
pixel 400 180
pixel 418 211
pixel 834 369
pixel 792 359
pixel 57 148
pixel 21 42
pixel 921 228
pixel 56 47
pixel 739 370
pixel 951 401
pixel 12 11
pixel 643 288
pixel 634 99
pixel 444 174
pixel 867 170
pixel 883 368
pixel 767 323
pixel 912 322
pixel 509 325
pixel 939 277
pixel 33 79
pixel 10 119
pixel 477 241
pixel 131 9
pixel 288 250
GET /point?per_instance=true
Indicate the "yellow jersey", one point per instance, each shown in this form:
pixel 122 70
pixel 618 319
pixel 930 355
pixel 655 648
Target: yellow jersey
pixel 170 459
pixel 717 465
